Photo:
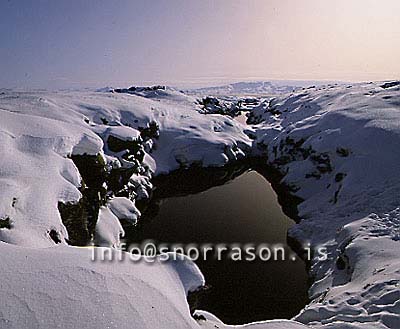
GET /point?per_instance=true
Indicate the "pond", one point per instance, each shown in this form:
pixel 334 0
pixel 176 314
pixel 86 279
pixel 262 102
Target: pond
pixel 242 208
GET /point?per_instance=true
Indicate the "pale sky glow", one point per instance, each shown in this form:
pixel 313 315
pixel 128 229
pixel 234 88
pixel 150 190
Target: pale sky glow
pixel 96 43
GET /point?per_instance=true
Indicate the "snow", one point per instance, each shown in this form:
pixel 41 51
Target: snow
pixel 36 173
pixel 122 132
pixel 124 208
pixel 108 227
pixel 256 88
pixel 142 186
pixel 61 287
pixel 212 321
pixel 336 147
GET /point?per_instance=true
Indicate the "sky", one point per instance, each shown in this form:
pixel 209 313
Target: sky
pixel 94 43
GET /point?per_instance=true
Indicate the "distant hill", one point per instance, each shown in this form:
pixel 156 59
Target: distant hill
pixel 257 87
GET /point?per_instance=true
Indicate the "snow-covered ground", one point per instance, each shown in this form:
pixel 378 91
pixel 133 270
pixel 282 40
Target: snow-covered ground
pixel 336 147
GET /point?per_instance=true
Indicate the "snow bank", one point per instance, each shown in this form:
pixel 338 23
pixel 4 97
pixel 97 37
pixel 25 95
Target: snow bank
pixel 62 288
pixel 208 320
pixel 36 174
pixel 124 208
pixel 108 228
pixel 337 148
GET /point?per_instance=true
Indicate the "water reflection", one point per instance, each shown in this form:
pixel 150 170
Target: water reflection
pixel 242 209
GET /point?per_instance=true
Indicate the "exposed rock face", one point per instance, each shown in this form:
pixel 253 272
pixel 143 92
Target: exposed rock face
pixel 390 84
pixel 5 223
pixel 127 177
pixel 80 218
pixel 213 105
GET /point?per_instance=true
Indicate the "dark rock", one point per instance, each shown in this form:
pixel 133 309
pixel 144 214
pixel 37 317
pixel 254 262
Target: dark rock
pixel 390 84
pixel 342 152
pixel 5 223
pixel 55 236
pixel 80 218
pixel 339 177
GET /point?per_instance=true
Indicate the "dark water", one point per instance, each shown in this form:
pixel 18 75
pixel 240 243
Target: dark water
pixel 244 210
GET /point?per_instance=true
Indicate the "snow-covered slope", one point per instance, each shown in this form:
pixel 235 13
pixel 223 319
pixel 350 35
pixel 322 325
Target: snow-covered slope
pixel 61 287
pixel 337 148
